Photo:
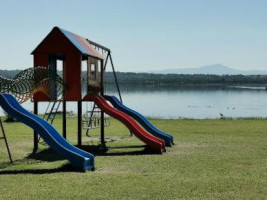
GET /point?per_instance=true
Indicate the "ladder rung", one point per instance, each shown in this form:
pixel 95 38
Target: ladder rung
pixel 2 138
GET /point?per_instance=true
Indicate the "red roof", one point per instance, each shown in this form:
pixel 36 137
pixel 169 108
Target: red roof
pixel 80 43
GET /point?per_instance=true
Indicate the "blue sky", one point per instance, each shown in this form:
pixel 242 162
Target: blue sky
pixel 143 35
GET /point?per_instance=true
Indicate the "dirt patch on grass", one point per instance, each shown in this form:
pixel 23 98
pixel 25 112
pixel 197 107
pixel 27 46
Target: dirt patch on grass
pixel 185 148
pixel 118 170
pixel 107 139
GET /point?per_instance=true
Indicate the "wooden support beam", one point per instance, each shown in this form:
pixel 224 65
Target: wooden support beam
pixel 103 143
pixel 102 134
pixel 102 77
pixel 98 45
pixel 64 119
pixel 35 134
pixel 79 136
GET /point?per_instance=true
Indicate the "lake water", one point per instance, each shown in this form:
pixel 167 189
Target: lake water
pixel 186 102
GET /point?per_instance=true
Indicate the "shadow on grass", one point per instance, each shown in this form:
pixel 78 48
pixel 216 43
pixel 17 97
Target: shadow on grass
pixel 4 165
pixel 45 155
pixel 49 155
pixel 99 150
pixel 64 168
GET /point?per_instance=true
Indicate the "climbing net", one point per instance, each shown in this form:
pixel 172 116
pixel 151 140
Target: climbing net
pixel 33 80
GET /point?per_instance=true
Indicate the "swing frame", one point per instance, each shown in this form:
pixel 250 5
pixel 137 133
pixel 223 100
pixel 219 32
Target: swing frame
pixel 5 139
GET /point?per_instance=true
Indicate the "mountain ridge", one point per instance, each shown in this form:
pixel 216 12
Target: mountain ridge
pixel 216 69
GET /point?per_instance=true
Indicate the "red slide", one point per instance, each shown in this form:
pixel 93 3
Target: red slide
pixel 152 141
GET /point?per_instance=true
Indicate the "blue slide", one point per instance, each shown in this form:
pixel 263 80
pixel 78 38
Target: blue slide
pixel 141 120
pixel 80 159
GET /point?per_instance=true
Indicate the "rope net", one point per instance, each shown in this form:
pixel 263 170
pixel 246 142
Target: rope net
pixel 26 83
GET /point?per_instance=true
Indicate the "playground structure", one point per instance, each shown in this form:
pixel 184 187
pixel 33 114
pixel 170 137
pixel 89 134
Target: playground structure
pixel 73 51
pixel 45 84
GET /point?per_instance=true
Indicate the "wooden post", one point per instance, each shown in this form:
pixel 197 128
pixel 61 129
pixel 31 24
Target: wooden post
pixel 102 113
pixel 35 134
pixel 102 129
pixel 64 119
pixel 64 109
pixel 4 137
pixel 79 123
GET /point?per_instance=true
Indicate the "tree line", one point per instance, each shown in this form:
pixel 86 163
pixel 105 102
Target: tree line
pixel 185 79
pixel 169 79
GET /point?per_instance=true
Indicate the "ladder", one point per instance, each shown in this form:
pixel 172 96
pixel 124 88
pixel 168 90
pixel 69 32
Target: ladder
pixel 87 124
pixel 51 111
pixel 91 122
pixel 4 138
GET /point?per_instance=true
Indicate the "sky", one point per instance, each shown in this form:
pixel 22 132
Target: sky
pixel 144 35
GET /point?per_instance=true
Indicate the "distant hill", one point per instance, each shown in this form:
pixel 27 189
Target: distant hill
pixel 216 69
pixel 9 73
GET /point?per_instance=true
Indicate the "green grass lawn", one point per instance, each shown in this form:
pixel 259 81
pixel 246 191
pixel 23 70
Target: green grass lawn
pixel 212 159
